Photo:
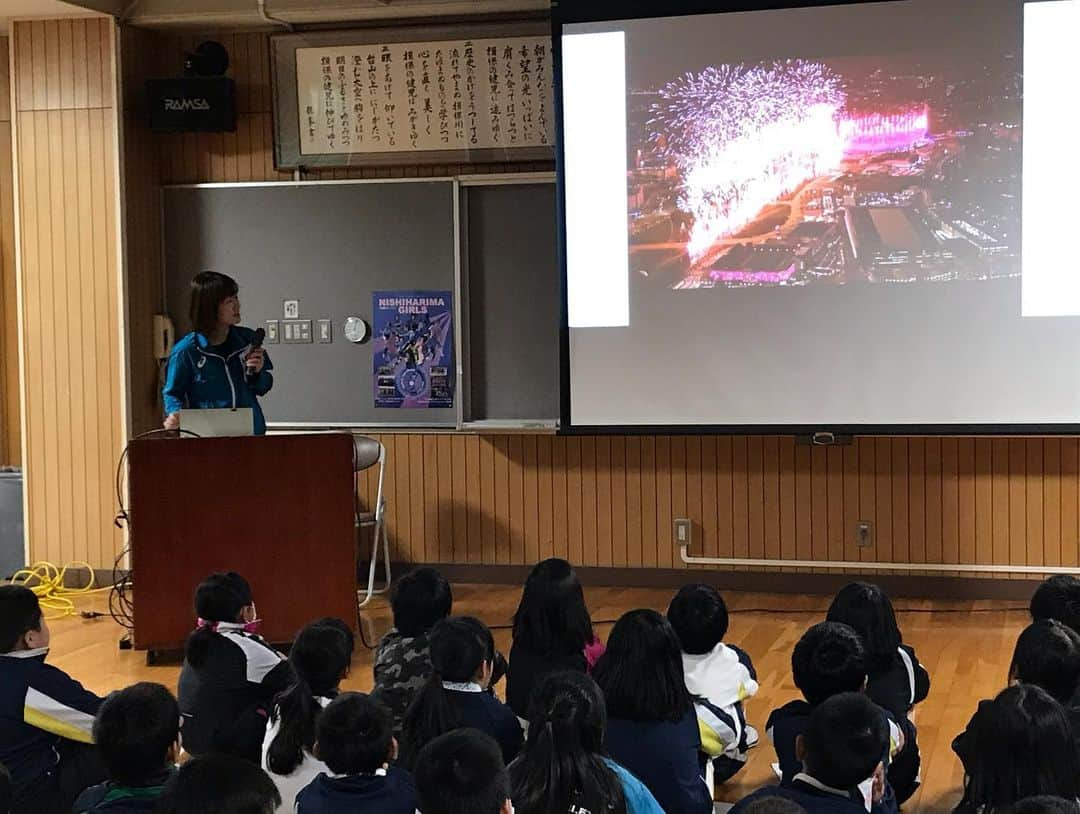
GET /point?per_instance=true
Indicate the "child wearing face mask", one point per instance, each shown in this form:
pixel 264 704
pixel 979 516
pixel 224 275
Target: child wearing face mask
pixel 46 716
pixel 230 674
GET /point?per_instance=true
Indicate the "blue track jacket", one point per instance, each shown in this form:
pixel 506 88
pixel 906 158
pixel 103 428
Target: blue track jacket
pixel 203 376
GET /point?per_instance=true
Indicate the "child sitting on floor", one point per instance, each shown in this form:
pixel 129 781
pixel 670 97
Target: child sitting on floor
pixel 719 677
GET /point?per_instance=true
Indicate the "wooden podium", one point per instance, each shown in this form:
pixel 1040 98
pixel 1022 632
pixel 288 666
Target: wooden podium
pixel 277 509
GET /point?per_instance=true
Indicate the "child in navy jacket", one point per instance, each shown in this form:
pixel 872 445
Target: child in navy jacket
pixel 46 717
pixel 456 693
pixel 355 739
pixel 827 661
pixel 840 750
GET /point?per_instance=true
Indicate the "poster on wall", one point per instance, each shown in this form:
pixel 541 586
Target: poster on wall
pixel 351 98
pixel 414 349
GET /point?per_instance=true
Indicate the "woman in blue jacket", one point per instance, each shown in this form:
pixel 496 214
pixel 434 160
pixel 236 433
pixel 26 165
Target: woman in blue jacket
pixel 215 365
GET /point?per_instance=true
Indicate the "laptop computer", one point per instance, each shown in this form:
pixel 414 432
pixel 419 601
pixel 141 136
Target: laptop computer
pixel 218 423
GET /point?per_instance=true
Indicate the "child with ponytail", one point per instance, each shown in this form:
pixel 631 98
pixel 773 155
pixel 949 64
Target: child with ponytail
pixel 562 767
pixel 230 674
pixel 320 659
pixel 456 695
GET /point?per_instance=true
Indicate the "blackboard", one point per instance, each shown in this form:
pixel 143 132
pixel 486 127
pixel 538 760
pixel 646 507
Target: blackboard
pixel 331 244
pixel 512 293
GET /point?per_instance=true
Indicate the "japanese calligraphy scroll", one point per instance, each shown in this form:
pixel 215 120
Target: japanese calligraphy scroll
pixel 488 98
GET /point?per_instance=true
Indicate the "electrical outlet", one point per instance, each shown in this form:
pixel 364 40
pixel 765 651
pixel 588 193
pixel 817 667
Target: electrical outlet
pixel 864 534
pixel 683 528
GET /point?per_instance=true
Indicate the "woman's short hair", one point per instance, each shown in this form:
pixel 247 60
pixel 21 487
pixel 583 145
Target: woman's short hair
pixel 208 290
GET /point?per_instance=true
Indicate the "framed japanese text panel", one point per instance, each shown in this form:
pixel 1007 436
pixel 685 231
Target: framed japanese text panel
pixel 422 95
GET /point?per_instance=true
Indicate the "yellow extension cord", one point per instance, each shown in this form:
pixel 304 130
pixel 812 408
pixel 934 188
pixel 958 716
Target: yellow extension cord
pixel 47 581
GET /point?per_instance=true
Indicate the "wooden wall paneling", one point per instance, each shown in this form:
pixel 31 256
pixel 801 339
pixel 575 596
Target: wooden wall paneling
pixel 834 466
pixel 966 501
pixel 488 551
pixel 603 501
pixel 770 496
pixel 516 517
pixel 530 499
pixel 619 531
pixel 458 487
pixel 559 505
pixel 471 501
pixel 819 504
pixel 545 495
pixel 803 504
pixel 883 538
pixel 1070 501
pixel 10 410
pixel 1051 485
pixel 867 450
pixel 1032 547
pixel 664 509
pixel 788 537
pixel 725 499
pixel 710 498
pixel 755 491
pixel 650 503
pixel 852 515
pixel 445 487
pixel 933 487
pixel 995 497
pixel 634 509
pixel 588 502
pixel 668 547
pixel 901 527
pixel 575 501
pixel 66 147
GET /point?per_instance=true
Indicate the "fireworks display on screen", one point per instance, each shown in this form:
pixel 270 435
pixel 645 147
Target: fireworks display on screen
pixel 794 171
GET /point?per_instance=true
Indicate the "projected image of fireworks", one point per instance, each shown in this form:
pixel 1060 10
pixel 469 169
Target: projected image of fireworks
pixel 796 172
pixel 744 136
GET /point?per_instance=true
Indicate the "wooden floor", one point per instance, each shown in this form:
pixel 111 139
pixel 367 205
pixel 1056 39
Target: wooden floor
pixel 966 646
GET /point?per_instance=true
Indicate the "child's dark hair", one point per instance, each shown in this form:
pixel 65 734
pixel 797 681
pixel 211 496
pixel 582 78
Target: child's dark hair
pixel 700 618
pixel 134 729
pixel 845 740
pixel 1021 746
pixel 641 672
pixel 828 660
pixel 208 290
pixel 552 619
pixel 1058 598
pixel 218 598
pixel 419 600
pixel 563 756
pixel 221 784
pixel 7 790
pixel 461 772
pixel 1047 654
pixel 355 735
pixel 319 658
pixel 458 649
pixel 867 609
pixel 1043 804
pixel 772 804
pixel 20 612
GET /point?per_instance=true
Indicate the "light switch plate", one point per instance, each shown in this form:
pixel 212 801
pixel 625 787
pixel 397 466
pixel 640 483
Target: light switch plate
pixel 683 529
pixel 326 331
pixel 290 309
pixel 297 331
pixel 273 335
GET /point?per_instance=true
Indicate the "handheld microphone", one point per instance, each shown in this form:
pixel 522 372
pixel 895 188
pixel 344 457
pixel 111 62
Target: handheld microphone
pixel 256 342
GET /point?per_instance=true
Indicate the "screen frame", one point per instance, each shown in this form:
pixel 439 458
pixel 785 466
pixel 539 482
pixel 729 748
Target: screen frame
pixel 568 12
